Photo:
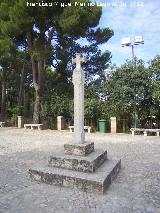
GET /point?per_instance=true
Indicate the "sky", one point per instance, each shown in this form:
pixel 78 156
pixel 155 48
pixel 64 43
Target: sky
pixel 128 21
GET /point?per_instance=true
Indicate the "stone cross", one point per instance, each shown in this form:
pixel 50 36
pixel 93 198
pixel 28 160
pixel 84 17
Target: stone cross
pixel 78 79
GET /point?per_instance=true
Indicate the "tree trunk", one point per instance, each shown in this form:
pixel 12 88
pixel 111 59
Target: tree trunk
pixel 20 97
pixel 37 71
pixel 36 113
pixel 3 100
pixel 41 74
pixel 41 60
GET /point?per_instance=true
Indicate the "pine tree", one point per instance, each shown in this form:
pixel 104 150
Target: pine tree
pixel 38 25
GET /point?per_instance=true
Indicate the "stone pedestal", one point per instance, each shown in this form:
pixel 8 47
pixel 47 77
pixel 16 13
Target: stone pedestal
pixel 60 123
pixel 78 149
pixel 79 166
pixel 113 125
pixel 20 121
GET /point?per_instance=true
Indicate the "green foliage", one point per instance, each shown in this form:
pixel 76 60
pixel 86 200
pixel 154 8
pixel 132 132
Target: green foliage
pixel 131 90
pixel 76 20
pixel 92 109
pixel 57 98
pixel 51 36
pixel 55 105
pixel 99 35
pixel 13 112
pixel 43 30
pixel 155 70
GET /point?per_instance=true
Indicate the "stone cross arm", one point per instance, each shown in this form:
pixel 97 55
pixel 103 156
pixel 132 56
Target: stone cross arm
pixel 78 60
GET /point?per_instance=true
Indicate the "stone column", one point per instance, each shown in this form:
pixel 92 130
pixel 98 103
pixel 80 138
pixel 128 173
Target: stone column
pixel 20 121
pixel 113 125
pixel 78 81
pixel 145 133
pixel 60 123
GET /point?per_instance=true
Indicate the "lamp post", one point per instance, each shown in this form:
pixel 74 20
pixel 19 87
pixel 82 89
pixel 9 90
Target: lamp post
pixel 131 42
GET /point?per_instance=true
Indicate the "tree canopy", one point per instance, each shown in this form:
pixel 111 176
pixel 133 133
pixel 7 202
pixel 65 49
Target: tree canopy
pixel 49 35
pixel 37 45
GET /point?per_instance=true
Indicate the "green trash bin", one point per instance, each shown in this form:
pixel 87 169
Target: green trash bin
pixel 102 125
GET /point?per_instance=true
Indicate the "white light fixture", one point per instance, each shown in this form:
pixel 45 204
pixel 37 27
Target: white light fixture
pixel 138 40
pixel 126 42
pixel 130 42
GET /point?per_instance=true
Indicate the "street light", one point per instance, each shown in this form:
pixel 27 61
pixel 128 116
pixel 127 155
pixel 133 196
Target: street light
pixel 131 42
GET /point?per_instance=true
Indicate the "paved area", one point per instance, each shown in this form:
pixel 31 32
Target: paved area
pixel 136 189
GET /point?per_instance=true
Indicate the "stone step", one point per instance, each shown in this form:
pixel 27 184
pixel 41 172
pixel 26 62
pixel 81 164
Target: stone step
pixel 91 182
pixel 87 163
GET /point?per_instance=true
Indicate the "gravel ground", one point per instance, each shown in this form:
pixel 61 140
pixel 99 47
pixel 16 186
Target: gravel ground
pixel 136 188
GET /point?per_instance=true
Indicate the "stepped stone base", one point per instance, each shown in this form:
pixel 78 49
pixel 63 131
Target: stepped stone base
pixel 80 166
pixel 79 149
pixel 87 163
pixel 98 181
